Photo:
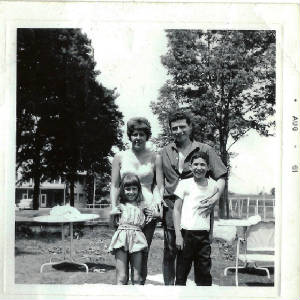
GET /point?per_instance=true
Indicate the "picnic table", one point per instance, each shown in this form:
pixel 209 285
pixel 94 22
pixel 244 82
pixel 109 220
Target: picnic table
pixel 63 220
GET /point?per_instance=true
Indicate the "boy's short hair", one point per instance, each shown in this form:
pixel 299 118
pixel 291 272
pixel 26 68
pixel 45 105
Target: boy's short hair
pixel 179 115
pixel 200 154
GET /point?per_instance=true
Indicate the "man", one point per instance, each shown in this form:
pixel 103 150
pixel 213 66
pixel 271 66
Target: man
pixel 172 165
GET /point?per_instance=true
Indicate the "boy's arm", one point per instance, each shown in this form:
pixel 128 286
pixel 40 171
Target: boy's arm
pixel 177 219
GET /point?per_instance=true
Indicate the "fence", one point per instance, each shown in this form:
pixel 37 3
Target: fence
pixel 98 205
pixel 238 207
pixel 246 207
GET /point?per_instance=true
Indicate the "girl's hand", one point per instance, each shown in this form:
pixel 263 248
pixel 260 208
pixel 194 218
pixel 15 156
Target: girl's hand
pixel 163 202
pixel 179 242
pixel 116 220
pixel 115 211
pixel 158 211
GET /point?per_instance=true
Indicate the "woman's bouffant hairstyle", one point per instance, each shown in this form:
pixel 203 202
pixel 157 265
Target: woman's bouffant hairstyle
pixel 130 179
pixel 138 123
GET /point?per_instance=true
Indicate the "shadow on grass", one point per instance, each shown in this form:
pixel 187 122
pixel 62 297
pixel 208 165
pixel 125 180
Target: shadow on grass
pixel 259 284
pixel 253 271
pixel 18 252
pixel 70 267
pixel 152 282
pixel 24 233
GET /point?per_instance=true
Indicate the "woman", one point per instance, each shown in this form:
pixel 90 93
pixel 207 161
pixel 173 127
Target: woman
pixel 140 161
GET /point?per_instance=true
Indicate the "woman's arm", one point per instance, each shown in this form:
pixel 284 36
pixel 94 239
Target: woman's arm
pixel 156 210
pixel 115 182
pixel 160 179
pixel 159 175
pixel 157 200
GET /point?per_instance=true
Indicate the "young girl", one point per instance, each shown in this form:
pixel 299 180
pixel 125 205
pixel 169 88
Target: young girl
pixel 129 241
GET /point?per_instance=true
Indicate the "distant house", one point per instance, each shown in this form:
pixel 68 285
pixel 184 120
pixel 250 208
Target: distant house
pixel 53 193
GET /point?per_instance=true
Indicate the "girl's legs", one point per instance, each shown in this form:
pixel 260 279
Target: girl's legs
pixel 122 266
pixel 136 267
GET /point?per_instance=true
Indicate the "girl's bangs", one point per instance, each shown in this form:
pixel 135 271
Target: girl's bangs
pixel 131 180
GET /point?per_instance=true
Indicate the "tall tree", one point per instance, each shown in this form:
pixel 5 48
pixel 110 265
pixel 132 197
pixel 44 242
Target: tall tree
pixel 61 104
pixel 226 80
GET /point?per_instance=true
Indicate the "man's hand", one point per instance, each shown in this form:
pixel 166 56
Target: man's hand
pixel 208 204
pixel 206 208
pixel 179 242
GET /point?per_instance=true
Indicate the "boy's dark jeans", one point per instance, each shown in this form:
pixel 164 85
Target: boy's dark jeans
pixel 196 249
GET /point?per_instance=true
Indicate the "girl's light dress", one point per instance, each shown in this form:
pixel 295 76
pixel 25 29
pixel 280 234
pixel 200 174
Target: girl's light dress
pixel 129 235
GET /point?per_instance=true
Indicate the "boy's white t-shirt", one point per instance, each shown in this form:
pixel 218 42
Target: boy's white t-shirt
pixel 192 194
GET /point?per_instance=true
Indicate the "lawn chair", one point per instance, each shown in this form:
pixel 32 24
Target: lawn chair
pixel 259 247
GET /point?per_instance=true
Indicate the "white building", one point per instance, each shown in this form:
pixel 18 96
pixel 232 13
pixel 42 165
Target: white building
pixel 53 192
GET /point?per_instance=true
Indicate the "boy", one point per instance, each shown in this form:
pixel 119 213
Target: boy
pixel 172 166
pixel 192 222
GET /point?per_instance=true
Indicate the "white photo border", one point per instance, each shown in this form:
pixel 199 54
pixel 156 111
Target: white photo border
pixel 67 19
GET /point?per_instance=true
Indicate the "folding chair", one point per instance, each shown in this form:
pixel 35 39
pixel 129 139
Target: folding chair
pixel 259 248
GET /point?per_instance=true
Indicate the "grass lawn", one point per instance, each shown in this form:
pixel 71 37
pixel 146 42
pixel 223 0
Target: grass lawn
pixel 34 249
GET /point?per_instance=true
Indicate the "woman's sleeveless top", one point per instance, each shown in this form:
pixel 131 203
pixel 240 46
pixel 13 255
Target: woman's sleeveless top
pixel 144 170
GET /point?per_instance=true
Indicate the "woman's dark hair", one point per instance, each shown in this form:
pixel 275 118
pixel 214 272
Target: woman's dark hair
pixel 138 123
pixel 130 179
pixel 179 115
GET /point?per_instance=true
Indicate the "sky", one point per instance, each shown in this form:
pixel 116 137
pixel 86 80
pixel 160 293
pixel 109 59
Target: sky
pixel 128 57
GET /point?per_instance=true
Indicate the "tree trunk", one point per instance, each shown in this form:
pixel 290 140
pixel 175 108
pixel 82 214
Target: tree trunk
pixel 89 188
pixel 72 186
pixel 36 192
pixel 223 203
pixel 67 192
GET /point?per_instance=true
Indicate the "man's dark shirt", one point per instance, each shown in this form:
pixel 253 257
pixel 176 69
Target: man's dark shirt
pixel 170 160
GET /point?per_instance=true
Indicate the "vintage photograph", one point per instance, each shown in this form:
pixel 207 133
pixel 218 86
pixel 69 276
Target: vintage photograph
pixel 145 156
